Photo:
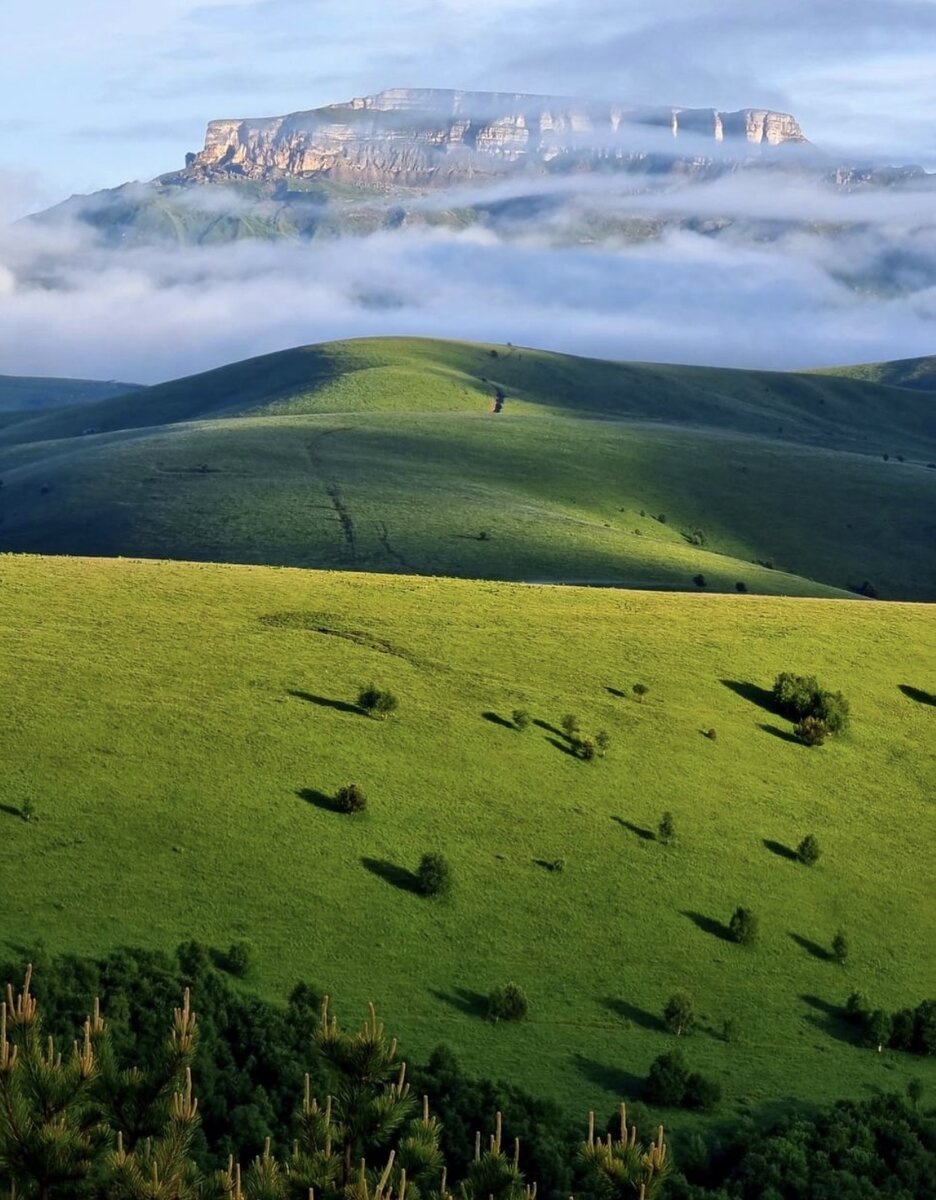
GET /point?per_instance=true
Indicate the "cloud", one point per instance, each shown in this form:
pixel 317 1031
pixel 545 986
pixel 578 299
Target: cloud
pixel 71 306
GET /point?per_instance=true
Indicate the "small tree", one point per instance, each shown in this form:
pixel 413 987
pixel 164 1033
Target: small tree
pixel 743 927
pixel 28 810
pixel 679 1013
pixel 640 690
pixel 857 1007
pixel 666 830
pixel 521 719
pixel 508 1003
pixel 840 948
pixel 239 959
pixel 740 586
pixel 878 1028
pixel 376 701
pixel 701 1093
pixel 570 725
pixel 434 875
pixel 808 851
pixel 812 731
pixel 603 741
pixel 915 1090
pixel 350 799
pixel 700 580
pixel 711 734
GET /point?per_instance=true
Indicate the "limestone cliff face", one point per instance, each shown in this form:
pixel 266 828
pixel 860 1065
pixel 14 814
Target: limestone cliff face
pixel 420 137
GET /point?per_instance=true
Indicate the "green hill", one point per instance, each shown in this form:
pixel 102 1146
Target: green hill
pixel 917 373
pixel 178 730
pixel 387 455
pixel 24 393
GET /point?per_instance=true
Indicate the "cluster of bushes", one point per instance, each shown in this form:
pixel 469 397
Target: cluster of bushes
pixel 818 713
pixel 582 746
pixel 671 1084
pixel 910 1029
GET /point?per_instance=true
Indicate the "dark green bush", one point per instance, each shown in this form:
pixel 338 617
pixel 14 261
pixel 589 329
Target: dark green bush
pixel 701 1094
pixel 800 696
pixel 743 927
pixel 840 948
pixel 808 851
pixel 508 1003
pixel 520 718
pixel 239 959
pixel 700 580
pixel 666 1080
pixel 435 875
pixel 350 799
pixel 376 701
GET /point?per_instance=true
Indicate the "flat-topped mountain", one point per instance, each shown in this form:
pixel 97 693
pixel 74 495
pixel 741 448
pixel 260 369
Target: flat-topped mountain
pixel 425 137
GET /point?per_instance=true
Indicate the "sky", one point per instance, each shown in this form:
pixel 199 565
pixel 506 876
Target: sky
pixel 98 92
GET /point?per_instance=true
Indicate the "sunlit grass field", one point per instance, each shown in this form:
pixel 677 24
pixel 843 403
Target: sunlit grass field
pixel 178 729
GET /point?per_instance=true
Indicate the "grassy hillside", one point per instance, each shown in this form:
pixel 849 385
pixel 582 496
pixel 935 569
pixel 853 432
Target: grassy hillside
pixel 179 729
pixel 388 456
pixel 917 373
pixel 24 393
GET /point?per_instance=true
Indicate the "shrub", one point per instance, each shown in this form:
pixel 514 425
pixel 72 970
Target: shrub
pixel 857 1007
pixel 434 875
pixel 586 749
pixel 743 927
pixel 570 725
pixel 697 537
pixel 640 690
pixel 915 1090
pixel 840 948
pixel 484 535
pixel 603 741
pixel 376 702
pixel 740 586
pixel 508 1003
pixel 808 851
pixel 666 830
pixel 662 518
pixel 811 731
pixel 833 709
pixel 700 1093
pixel 666 1080
pixel 350 799
pixel 711 734
pixel 239 959
pixel 699 580
pixel 520 718
pixel 28 810
pixel 679 1013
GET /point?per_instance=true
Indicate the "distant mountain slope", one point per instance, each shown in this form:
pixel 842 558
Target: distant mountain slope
pixel 20 393
pixel 389 455
pixel 916 373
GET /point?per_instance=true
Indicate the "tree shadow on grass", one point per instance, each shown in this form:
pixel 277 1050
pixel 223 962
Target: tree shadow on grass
pixel 325 702
pixel 550 728
pixel 831 1019
pixel 398 877
pixel 783 734
pixel 563 746
pixel 319 799
pixel 11 811
pixel 612 691
pixel 811 947
pixel 472 1004
pixel 496 719
pixel 630 1012
pixel 780 850
pixel 753 694
pixel 709 925
pixel 917 694
pixel 645 835
pixel 621 1083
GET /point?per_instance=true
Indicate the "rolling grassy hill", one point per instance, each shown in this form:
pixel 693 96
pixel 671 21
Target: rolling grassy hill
pixel 917 373
pixel 179 729
pixel 386 455
pixel 23 394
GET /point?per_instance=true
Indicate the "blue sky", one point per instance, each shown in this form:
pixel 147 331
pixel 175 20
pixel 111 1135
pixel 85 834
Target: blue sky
pixel 96 92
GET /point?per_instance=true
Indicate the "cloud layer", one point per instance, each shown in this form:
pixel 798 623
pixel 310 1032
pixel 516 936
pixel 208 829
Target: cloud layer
pixel 69 306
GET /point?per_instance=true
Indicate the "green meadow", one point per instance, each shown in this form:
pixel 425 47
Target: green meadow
pixel 387 456
pixel 179 729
